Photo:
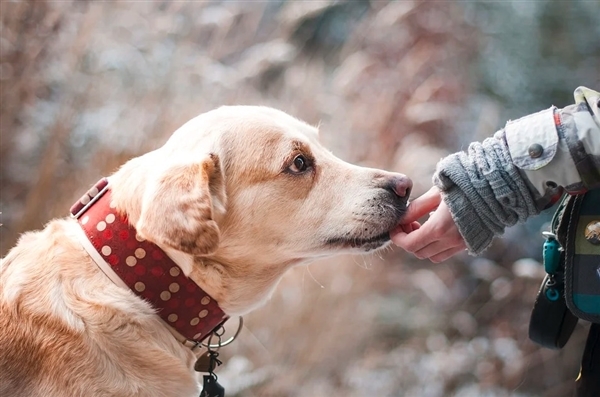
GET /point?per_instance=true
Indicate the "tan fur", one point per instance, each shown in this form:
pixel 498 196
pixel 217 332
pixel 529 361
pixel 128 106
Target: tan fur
pixel 220 199
pixel 183 195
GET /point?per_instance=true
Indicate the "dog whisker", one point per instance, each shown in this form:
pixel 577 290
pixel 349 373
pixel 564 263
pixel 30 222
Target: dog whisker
pixel 313 277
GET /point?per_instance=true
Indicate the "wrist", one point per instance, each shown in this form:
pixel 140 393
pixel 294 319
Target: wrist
pixel 474 230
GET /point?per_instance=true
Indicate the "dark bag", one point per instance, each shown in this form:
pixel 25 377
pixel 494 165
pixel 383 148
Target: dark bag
pixel 571 290
pixel 582 256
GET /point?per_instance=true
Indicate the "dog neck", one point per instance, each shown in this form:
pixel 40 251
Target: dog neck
pixel 143 267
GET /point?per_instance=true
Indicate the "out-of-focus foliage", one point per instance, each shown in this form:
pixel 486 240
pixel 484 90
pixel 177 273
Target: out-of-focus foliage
pixel 86 86
pixel 535 52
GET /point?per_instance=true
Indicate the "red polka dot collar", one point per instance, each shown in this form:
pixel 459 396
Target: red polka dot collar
pixel 144 268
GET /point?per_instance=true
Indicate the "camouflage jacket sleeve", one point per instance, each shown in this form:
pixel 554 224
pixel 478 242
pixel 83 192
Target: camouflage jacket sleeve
pixel 559 147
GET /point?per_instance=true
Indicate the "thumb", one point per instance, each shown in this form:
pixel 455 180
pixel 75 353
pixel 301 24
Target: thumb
pixel 422 205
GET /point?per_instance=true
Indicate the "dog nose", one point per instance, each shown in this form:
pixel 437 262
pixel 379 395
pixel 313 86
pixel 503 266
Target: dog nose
pixel 401 185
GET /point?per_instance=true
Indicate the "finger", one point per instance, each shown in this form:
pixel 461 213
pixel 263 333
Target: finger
pixel 445 255
pixel 422 205
pixel 405 228
pixel 402 228
pixel 414 241
pixel 409 227
pixel 434 249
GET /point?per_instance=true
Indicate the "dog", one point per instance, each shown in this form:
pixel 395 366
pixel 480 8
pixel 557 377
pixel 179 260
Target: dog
pixel 234 198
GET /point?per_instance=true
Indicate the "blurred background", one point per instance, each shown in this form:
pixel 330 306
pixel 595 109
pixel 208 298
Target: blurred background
pixel 86 86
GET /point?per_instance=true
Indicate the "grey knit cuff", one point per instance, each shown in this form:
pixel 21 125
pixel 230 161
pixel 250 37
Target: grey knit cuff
pixel 484 191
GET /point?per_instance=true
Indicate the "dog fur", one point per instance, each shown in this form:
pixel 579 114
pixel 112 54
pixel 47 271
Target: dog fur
pixel 228 200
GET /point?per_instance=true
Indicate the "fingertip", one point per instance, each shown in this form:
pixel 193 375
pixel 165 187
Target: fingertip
pixel 397 237
pixel 422 205
pixel 398 229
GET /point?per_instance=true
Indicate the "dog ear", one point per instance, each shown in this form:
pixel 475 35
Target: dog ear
pixel 177 209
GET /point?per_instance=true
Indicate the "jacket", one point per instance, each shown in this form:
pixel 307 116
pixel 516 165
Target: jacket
pixel 522 169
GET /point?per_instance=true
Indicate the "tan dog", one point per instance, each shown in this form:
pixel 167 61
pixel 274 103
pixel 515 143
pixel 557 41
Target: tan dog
pixel 236 197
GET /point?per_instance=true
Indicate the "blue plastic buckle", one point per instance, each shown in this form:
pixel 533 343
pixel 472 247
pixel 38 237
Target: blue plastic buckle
pixel 551 253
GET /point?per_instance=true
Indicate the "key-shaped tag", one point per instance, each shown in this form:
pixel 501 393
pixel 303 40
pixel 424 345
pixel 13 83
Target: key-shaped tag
pixel 207 362
pixel 212 388
pixel 204 363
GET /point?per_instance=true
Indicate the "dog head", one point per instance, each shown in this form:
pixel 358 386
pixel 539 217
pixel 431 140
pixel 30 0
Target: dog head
pixel 240 194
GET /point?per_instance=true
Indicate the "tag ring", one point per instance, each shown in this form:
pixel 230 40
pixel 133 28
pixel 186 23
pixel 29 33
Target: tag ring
pixel 209 346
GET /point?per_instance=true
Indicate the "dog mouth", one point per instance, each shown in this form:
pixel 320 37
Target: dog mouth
pixel 362 243
pixel 377 221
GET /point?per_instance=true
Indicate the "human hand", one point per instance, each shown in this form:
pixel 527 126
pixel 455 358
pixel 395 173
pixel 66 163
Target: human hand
pixel 438 238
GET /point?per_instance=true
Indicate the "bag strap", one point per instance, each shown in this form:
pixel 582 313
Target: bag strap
pixel 588 381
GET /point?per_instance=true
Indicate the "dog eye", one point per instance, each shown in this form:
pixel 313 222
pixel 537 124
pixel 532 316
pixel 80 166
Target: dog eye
pixel 299 165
